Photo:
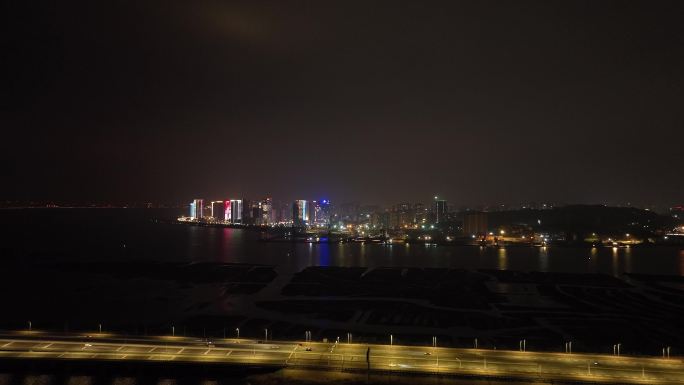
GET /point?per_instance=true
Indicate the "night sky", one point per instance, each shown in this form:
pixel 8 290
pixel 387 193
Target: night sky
pixel 382 101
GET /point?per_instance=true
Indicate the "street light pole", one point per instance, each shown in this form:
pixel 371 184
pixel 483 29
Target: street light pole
pixel 173 331
pixel 391 340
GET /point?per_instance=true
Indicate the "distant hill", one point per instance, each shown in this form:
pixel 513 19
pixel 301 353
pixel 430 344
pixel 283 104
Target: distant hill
pixel 581 220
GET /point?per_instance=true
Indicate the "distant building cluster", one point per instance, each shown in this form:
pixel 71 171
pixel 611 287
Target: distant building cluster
pixel 438 221
pixel 319 213
pixel 262 212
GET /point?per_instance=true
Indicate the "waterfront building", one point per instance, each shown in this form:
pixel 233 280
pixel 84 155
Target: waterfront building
pixel 227 211
pixel 236 210
pixel 264 212
pixel 403 215
pixel 420 213
pixel 321 213
pixel 300 213
pixel 197 209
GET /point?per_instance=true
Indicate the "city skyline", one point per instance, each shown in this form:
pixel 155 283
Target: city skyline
pixel 457 206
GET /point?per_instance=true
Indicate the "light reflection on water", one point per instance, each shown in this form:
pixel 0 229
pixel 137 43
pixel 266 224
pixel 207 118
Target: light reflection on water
pixel 628 259
pixel 550 259
pixel 543 259
pixel 503 260
pixel 99 235
pixel 592 260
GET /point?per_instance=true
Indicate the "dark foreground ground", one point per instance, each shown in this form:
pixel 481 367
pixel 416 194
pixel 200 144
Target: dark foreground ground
pixel 644 313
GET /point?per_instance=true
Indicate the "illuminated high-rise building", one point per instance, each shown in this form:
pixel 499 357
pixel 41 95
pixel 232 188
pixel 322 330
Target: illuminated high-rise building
pixel 265 207
pixel 300 213
pixel 236 210
pixel 197 209
pixel 402 215
pixel 440 210
pixel 321 213
pixel 227 211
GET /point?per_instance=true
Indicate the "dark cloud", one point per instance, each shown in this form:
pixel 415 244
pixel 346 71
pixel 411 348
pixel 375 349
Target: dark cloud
pixel 380 101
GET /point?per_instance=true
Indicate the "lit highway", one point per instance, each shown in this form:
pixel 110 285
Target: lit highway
pixel 342 356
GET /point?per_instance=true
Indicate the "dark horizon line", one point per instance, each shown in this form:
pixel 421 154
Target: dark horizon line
pixel 17 203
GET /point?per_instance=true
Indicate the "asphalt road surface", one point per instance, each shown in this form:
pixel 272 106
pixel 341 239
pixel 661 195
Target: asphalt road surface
pixel 343 356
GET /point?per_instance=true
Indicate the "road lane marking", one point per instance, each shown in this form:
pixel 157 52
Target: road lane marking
pixel 619 368
pixel 153 349
pixel 48 345
pixel 181 351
